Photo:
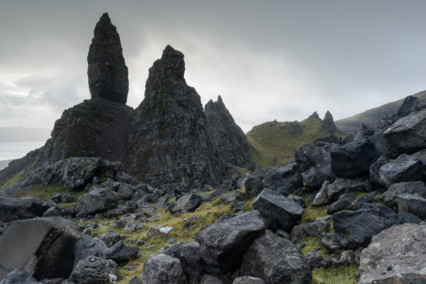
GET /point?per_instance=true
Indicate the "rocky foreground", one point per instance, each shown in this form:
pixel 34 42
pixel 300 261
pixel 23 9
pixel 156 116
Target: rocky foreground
pixel 164 210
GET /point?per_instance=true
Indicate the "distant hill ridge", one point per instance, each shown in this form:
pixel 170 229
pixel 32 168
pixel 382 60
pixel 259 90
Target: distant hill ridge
pixel 372 116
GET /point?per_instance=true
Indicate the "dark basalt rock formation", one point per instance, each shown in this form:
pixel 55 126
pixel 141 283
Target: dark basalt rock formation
pixel 108 75
pixel 169 141
pixel 328 123
pixel 225 134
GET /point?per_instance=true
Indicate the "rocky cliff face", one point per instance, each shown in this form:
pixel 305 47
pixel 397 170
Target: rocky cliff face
pixel 225 134
pixel 168 141
pixel 108 75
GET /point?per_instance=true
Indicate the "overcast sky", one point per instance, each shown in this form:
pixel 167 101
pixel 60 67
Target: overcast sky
pixel 267 59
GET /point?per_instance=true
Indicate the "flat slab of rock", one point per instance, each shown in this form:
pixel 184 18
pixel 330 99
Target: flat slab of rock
pixel 282 209
pixel 404 168
pixel 396 255
pixel 276 261
pixel 223 244
pixel 162 269
pixel 43 246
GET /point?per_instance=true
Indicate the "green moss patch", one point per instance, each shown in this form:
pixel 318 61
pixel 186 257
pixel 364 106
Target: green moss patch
pixel 335 275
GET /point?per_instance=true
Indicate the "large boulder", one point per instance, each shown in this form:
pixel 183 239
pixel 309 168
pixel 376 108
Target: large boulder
pixel 285 211
pixel 107 72
pixel 225 134
pixel 413 204
pixel 190 259
pixel 411 187
pixel 353 159
pixel 162 269
pixel 310 229
pixel 169 142
pixel 253 186
pixel 341 186
pixel 186 203
pixel 358 227
pixel 89 246
pixel 44 247
pixel 344 202
pixel 223 244
pixel 121 253
pixel 99 199
pixel 15 208
pixel 94 270
pixel 395 255
pixel 408 134
pixel 408 106
pixel 276 261
pixel 314 163
pixel 283 180
pixel 404 168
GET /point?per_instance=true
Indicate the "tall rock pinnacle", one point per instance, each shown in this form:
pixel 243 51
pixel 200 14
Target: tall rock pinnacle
pixel 108 75
pixel 226 135
pixel 169 141
pixel 328 123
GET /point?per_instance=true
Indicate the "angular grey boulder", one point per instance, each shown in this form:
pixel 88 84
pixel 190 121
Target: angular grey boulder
pixel 404 168
pixel 248 280
pixel 353 159
pixel 412 204
pixel 341 186
pixel 186 203
pixel 162 269
pixel 89 246
pixel 286 212
pixel 15 208
pixel 253 186
pixel 190 259
pixel 310 229
pixel 97 200
pixel 411 187
pixel 395 255
pixel 223 244
pixel 43 246
pixel 276 261
pixel 120 253
pixel 283 180
pixel 94 270
pixel 344 202
pixel 408 134
pixel 19 277
pixel 108 75
pixel 314 163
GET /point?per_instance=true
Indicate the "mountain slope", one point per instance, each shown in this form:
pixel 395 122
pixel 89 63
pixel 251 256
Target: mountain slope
pixel 372 116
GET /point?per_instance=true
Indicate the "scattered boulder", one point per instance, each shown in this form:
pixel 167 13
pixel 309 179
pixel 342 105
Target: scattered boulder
pixel 353 159
pixel 97 200
pixel 275 260
pixel 344 202
pixel 404 168
pixel 93 269
pixel 286 212
pixel 15 208
pixel 375 168
pixel 253 186
pixel 411 187
pixel 43 246
pixel 315 164
pixel 110 238
pixel 412 204
pixel 341 186
pixel 358 227
pixel 190 259
pixel 407 134
pixel 395 255
pixel 121 253
pixel 314 259
pixel 248 280
pixel 19 276
pixel 222 244
pixel 89 246
pixel 321 198
pixel 162 269
pixel 283 180
pixel 186 203
pixel 310 229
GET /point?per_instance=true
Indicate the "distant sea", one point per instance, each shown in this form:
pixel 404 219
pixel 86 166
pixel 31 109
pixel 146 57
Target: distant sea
pixel 16 150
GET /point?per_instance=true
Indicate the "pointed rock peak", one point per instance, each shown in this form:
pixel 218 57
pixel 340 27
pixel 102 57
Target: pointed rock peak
pixel 107 71
pixel 171 64
pixel 219 99
pixel 328 123
pixel 314 115
pixel 328 116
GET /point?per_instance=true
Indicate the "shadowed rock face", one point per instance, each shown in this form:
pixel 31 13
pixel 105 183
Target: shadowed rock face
pixel 169 141
pixel 225 134
pixel 108 75
pixel 328 123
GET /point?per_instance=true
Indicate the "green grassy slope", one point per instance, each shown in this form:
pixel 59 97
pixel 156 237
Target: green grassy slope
pixel 372 116
pixel 272 143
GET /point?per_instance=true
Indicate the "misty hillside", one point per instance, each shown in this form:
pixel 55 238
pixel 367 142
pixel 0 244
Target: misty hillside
pixel 23 134
pixel 372 116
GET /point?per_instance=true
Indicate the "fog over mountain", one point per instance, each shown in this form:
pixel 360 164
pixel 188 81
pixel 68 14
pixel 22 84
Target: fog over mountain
pixel 268 60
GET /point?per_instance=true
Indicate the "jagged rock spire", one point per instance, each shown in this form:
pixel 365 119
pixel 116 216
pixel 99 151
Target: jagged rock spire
pixel 108 75
pixel 328 123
